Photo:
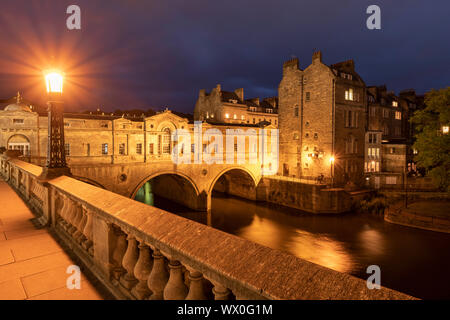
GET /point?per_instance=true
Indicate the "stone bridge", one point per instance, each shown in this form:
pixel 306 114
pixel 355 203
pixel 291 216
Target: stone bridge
pixel 138 251
pixel 188 184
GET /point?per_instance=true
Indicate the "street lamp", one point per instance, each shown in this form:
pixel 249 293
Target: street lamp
pixel 56 159
pixel 54 81
pixel 445 129
pixel 332 170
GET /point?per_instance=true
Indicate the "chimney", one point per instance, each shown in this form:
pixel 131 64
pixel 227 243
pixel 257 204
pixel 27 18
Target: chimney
pixel 202 93
pixel 291 64
pixel 317 57
pixel 218 88
pixel 240 93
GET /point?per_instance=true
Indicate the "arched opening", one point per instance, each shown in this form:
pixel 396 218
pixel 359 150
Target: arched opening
pixel 235 182
pixel 21 143
pixel 166 141
pixel 171 192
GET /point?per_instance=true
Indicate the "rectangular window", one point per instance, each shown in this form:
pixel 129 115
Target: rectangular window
pixel 139 148
pixel 296 112
pixel 104 148
pixel 308 96
pixel 398 115
pixel 88 149
pixel 349 94
pixel 394 103
pixel 17 121
pixel 392 150
pixel 121 148
pixel 67 149
pixel 385 113
pixel 151 148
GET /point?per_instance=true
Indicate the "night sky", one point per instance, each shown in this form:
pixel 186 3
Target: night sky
pixel 150 54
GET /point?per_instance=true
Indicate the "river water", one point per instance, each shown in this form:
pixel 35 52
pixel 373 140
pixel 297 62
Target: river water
pixel 413 261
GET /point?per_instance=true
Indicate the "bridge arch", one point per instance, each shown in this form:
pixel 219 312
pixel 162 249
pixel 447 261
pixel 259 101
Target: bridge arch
pixel 160 173
pixel 171 185
pixel 227 170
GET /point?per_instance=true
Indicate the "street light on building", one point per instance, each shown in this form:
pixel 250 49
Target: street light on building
pixel 56 159
pixel 445 129
pixel 332 170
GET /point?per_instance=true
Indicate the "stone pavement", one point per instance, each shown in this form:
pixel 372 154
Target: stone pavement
pixel 32 264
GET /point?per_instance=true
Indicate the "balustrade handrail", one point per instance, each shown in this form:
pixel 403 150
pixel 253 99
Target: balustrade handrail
pixel 245 268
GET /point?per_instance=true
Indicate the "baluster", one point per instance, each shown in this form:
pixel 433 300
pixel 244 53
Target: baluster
pixel 158 276
pixel 75 219
pixel 69 214
pixel 142 271
pixel 63 210
pixel 175 288
pixel 78 235
pixel 119 252
pixel 220 292
pixel 129 261
pixel 196 290
pixel 87 232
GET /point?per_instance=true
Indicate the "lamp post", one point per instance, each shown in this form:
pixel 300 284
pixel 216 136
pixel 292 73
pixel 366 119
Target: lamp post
pixel 332 170
pixel 56 159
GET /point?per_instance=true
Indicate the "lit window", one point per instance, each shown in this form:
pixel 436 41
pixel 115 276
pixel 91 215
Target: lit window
pixel 349 94
pixel 151 148
pixel 234 116
pixel 398 115
pixel 227 115
pixel 104 148
pixel 242 117
pixel 394 103
pixel 445 129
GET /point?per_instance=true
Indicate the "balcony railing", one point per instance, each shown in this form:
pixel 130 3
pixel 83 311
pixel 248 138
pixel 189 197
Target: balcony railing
pixel 141 252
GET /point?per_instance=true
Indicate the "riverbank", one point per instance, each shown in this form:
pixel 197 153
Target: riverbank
pixel 430 215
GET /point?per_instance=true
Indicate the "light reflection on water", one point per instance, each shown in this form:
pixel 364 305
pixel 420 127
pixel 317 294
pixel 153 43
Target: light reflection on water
pixel 413 261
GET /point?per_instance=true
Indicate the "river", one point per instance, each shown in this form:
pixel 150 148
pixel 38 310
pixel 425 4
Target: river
pixel 413 261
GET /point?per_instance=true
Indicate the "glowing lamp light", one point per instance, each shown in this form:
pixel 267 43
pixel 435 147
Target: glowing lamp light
pixel 331 159
pixel 445 129
pixel 54 81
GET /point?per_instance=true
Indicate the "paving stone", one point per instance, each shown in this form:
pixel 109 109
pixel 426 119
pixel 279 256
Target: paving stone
pixel 6 256
pixel 87 292
pixel 23 232
pixel 12 290
pixel 46 281
pixel 32 266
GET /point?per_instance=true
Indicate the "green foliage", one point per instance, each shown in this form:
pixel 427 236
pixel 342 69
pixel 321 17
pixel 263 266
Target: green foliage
pixel 374 205
pixel 432 145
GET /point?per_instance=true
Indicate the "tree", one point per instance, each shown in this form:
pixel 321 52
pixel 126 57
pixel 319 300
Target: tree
pixel 432 143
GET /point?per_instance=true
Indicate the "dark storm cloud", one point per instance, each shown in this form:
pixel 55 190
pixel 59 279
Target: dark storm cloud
pixel 160 53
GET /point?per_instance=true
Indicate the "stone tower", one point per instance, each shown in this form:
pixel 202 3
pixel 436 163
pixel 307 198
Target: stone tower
pixel 290 98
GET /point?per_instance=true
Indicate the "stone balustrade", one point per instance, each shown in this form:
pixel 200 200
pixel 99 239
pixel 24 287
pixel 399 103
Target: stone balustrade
pixel 141 252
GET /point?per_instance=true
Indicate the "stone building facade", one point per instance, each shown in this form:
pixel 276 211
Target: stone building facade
pixel 220 106
pixel 322 121
pixel 106 139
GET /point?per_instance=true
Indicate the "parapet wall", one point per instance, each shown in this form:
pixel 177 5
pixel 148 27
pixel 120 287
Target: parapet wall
pixel 138 251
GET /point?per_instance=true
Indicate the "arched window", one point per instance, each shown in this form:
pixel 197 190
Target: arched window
pixel 166 139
